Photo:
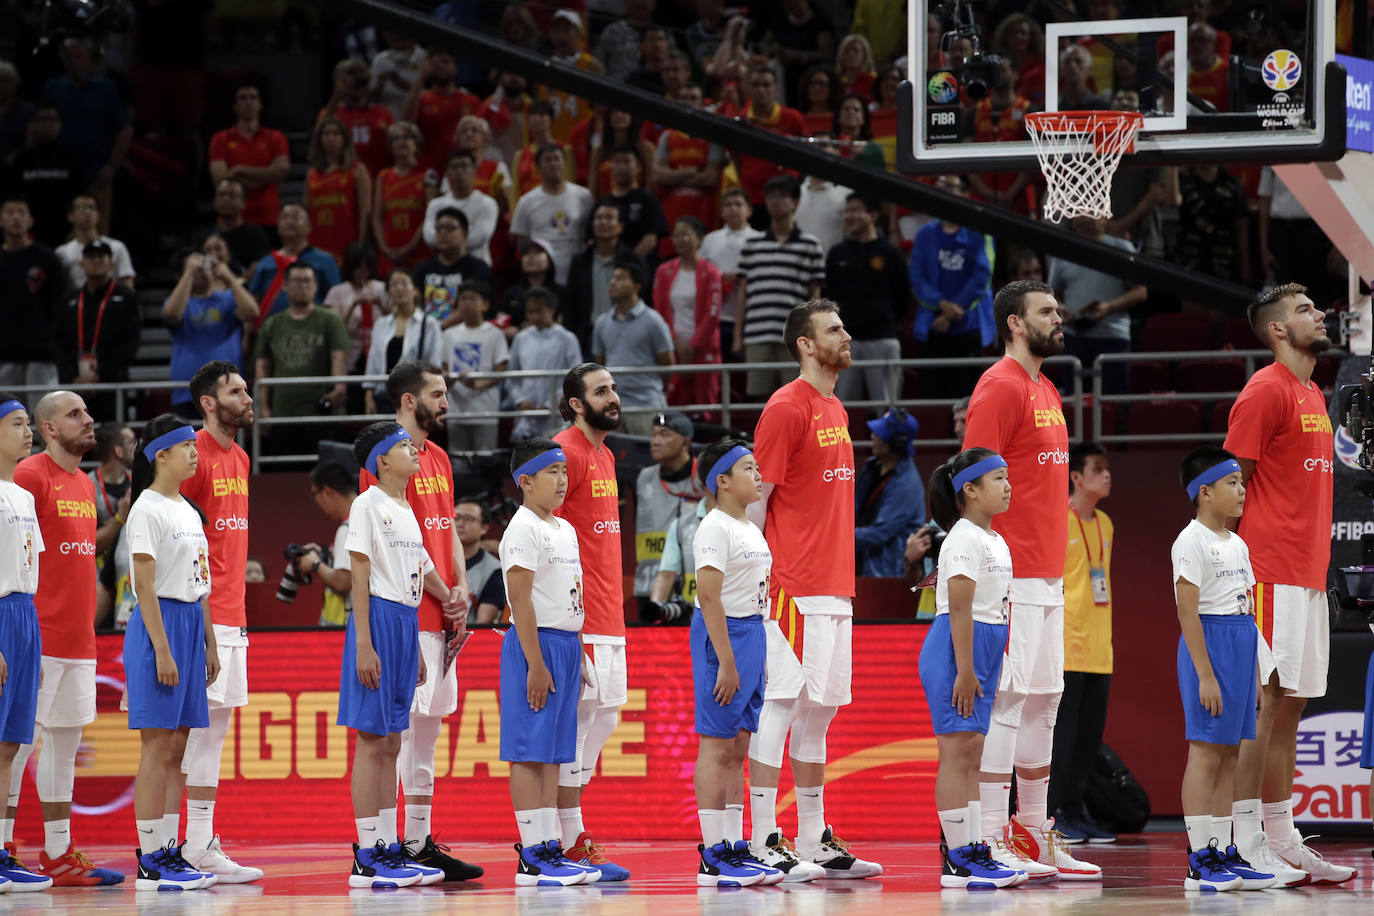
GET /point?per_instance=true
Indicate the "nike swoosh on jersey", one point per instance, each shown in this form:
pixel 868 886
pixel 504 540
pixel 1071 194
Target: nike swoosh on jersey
pixel 58 486
pixel 1032 397
pixel 1300 400
pixel 819 415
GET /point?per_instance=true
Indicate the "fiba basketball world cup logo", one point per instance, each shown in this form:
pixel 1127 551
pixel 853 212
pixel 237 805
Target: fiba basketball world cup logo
pixel 943 88
pixel 1281 70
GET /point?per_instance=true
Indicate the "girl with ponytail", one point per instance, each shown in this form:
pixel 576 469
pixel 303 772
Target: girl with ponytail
pixel 962 655
pixel 170 655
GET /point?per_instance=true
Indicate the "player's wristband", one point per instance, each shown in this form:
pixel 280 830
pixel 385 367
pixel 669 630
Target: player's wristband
pixel 119 518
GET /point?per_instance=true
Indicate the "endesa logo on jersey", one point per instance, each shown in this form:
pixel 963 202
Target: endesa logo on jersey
pixel 607 526
pixel 841 473
pixel 1054 456
pixel 1320 465
pixel 76 548
pixel 231 523
pixel 438 523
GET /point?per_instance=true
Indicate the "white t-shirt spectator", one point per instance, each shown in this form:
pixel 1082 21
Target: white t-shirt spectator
pixel 722 248
pixel 20 540
pixel 982 556
pixel 406 65
pixel 549 550
pixel 479 349
pixel 558 219
pixel 683 296
pixel 1083 285
pixel 69 253
pixel 385 531
pixel 1218 565
pixel 481 211
pixel 169 531
pixel 821 212
pixel 739 550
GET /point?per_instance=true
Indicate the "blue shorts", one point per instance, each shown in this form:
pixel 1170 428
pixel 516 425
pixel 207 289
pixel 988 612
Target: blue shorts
pixel 152 704
pixel 1232 641
pixel 938 669
pixel 1367 748
pixel 395 630
pixel 549 735
pixel 22 646
pixel 750 645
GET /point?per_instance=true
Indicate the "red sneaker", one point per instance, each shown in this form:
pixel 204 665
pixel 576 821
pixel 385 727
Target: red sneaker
pixel 73 869
pixel 587 851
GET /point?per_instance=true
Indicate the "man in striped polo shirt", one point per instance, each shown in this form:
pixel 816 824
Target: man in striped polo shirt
pixel 776 272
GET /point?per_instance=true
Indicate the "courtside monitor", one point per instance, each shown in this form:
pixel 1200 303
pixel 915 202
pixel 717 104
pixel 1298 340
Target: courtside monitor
pixel 1215 81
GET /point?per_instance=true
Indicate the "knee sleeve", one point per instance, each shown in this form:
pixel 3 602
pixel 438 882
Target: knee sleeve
pixel 775 719
pixel 570 774
pixel 999 747
pixel 1035 738
pixel 21 760
pixel 415 762
pixel 603 723
pixel 808 732
pixel 204 748
pixel 57 763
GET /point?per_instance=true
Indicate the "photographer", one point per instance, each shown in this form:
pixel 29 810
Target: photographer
pixel 664 491
pixel 334 490
pixel 673 594
pixel 889 499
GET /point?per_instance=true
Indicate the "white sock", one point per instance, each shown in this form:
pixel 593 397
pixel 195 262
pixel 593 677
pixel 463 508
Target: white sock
pixel 712 826
pixel 957 827
pixel 1199 827
pixel 386 824
pixel 1246 816
pixel 763 811
pixel 417 822
pixel 200 823
pixel 171 828
pixel 57 837
pixel 734 823
pixel 1278 821
pixel 975 821
pixel 570 826
pixel 530 823
pixel 368 832
pixel 6 830
pixel 995 799
pixel 549 824
pixel 148 833
pixel 810 816
pixel 1032 806
pixel 1221 829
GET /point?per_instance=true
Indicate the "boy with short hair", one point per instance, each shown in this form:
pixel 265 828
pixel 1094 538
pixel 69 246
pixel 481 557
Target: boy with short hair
pixel 473 344
pixel 541 662
pixel 1219 661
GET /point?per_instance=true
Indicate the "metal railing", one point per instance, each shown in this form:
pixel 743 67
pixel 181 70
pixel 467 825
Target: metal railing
pixel 125 394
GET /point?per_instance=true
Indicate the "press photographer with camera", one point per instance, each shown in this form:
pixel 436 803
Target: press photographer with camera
pixel 664 491
pixel 333 488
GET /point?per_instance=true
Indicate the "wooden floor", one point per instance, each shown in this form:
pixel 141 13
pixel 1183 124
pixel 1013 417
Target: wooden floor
pixel 1142 874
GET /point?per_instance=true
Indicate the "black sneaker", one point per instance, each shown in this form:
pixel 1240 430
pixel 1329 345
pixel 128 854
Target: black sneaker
pixel 435 855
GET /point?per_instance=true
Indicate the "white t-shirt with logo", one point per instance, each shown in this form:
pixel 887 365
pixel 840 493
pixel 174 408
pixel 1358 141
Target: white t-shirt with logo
pixel 558 219
pixel 385 531
pixel 479 349
pixel 738 549
pixel 169 531
pixel 1219 567
pixel 20 540
pixel 549 550
pixel 982 556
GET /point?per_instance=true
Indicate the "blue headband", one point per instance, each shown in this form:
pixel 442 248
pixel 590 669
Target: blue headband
pixel 1212 475
pixel 167 440
pixel 538 463
pixel 10 406
pixel 723 466
pixel 381 448
pixel 978 469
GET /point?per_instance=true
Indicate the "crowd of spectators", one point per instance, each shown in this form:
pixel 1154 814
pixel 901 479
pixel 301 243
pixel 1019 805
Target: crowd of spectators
pixel 487 223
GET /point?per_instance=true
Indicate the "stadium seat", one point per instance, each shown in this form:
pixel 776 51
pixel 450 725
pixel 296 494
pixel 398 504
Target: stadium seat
pixel 1219 415
pixel 1157 418
pixel 936 422
pixel 1212 376
pixel 1171 331
pixel 1238 334
pixel 1109 415
pixel 1149 376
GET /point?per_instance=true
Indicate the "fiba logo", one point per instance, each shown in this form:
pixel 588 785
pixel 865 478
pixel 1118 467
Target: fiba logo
pixel 1281 70
pixel 943 88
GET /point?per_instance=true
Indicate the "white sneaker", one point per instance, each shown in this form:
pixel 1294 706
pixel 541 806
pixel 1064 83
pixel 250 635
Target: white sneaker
pixel 1298 854
pixel 213 861
pixel 1009 856
pixel 1259 852
pixel 779 853
pixel 1046 845
pixel 833 855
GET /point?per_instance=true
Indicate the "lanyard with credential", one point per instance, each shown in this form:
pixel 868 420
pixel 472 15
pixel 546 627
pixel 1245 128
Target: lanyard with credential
pixel 99 317
pixel 1097 573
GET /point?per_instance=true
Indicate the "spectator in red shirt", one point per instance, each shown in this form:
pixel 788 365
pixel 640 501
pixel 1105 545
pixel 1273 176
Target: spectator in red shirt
pixel 1208 75
pixel 367 123
pixel 256 157
pixel 855 58
pixel 438 109
pixel 818 93
pixel 762 110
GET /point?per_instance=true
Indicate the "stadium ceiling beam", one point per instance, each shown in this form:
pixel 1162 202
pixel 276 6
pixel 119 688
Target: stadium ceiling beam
pixel 464 43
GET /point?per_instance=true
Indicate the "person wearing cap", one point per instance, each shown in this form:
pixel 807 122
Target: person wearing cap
pixel 84 215
pixel 889 498
pixel 664 492
pixel 473 344
pixel 542 343
pixel 96 331
pixel 439 278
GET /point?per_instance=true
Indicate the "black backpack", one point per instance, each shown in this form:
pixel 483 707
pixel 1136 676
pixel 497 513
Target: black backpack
pixel 1113 797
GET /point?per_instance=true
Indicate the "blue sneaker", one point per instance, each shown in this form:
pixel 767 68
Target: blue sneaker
pixel 1252 879
pixel 746 856
pixel 973 867
pixel 723 866
pixel 589 853
pixel 379 868
pixel 545 866
pixel 1096 832
pixel 1207 871
pixel 20 878
pixel 164 869
pixel 409 853
pixel 1072 830
pixel 590 873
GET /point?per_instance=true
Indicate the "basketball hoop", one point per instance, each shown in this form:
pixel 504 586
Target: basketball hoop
pixel 1079 152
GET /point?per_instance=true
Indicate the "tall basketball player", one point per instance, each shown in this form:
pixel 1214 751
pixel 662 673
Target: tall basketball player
pixel 1015 410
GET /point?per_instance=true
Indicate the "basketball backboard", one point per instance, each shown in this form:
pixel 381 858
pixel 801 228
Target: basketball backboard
pixel 1258 82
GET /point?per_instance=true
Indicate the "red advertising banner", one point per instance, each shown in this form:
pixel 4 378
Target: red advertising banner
pixel 286 763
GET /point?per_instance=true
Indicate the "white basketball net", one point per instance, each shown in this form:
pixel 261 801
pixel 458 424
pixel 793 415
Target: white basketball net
pixel 1079 152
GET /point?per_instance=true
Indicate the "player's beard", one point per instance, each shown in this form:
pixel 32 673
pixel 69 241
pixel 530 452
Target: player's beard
pixel 836 360
pixel 431 421
pixel 242 419
pixel 1319 344
pixel 79 444
pixel 603 419
pixel 1045 345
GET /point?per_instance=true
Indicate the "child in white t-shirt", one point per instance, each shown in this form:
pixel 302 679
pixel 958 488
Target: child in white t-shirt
pixel 473 344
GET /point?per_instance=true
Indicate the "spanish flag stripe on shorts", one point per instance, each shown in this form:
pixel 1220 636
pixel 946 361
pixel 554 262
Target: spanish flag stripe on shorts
pixel 791 621
pixel 1264 610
